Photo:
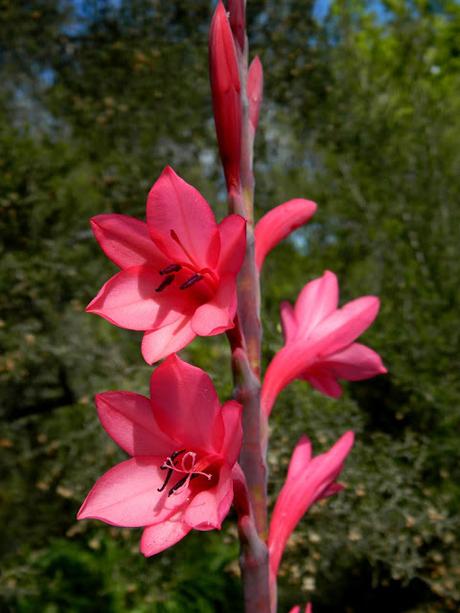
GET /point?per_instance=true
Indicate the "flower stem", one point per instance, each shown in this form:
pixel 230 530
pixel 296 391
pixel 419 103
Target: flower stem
pixel 246 358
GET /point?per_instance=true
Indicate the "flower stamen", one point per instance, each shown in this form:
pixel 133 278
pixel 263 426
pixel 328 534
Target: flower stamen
pixel 187 466
pixel 170 268
pixel 191 281
pixel 169 279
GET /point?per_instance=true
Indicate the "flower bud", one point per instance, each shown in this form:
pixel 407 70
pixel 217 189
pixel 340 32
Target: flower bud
pixel 255 91
pixel 225 89
pixel 236 9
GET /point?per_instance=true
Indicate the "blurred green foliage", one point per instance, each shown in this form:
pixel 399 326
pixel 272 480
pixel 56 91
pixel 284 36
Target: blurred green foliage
pixel 361 114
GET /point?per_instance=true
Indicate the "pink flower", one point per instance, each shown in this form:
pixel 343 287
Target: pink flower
pixel 255 92
pixel 178 270
pixel 319 342
pixel 278 223
pixel 226 90
pixel 308 480
pixel 183 446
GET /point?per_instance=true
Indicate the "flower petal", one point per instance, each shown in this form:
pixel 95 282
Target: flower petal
pixel 129 300
pixel 186 405
pixel 232 413
pixel 316 301
pixel 232 230
pixel 127 495
pixel 343 326
pixel 288 322
pixel 128 419
pixel 287 364
pixel 161 536
pixel 218 314
pixel 300 459
pixel 208 508
pixel 278 223
pixel 181 222
pixel 324 382
pixel 158 344
pixel 354 363
pixel 126 241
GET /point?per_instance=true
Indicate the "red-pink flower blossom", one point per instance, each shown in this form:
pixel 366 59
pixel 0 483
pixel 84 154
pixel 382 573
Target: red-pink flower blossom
pixel 308 480
pixel 319 342
pixel 183 446
pixel 278 223
pixel 255 89
pixel 226 94
pixel 237 18
pixel 178 270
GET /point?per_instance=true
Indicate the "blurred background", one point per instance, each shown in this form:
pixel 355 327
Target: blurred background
pixel 362 115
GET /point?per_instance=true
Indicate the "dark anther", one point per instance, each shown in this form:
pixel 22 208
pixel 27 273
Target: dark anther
pixel 181 483
pixel 194 279
pixel 178 485
pixel 172 457
pixel 168 477
pixel 169 279
pixel 170 268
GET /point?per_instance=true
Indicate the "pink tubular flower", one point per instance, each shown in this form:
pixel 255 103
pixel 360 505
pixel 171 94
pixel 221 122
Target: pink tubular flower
pixel 178 270
pixel 278 223
pixel 225 89
pixel 255 92
pixel 319 342
pixel 183 447
pixel 308 480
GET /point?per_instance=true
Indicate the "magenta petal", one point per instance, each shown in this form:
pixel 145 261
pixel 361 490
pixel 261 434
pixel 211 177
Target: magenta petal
pixel 324 382
pixel 181 222
pixel 126 241
pixel 300 458
pixel 231 413
pixel 208 508
pixel 278 223
pixel 186 405
pixel 288 364
pixel 343 326
pixel 317 300
pixel 158 344
pixel 128 419
pixel 288 322
pixel 127 495
pixel 354 363
pixel 161 536
pixel 129 300
pixel 232 230
pixel 218 314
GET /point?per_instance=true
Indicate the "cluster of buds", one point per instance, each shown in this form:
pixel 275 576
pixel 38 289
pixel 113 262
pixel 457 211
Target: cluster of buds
pixel 181 275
